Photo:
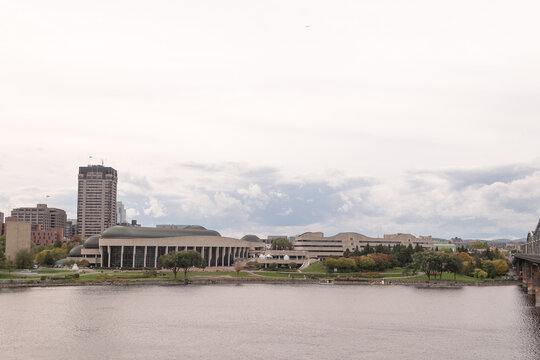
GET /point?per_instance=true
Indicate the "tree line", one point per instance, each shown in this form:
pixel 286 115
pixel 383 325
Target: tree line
pixel 489 263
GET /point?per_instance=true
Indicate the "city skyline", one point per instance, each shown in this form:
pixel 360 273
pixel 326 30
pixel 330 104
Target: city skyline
pixel 153 212
pixel 368 117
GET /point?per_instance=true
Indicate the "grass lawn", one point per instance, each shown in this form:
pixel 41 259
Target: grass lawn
pixel 316 267
pixel 52 271
pixel 9 276
pixel 392 271
pixel 274 274
pixel 160 275
pixel 203 274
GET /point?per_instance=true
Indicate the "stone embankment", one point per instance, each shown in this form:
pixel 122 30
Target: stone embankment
pixel 21 283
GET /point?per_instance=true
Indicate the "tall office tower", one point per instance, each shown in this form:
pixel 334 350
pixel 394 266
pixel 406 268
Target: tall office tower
pixel 96 201
pixel 47 218
pixel 71 228
pixel 120 213
pixel 1 223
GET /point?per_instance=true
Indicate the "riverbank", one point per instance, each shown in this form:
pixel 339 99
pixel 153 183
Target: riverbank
pixel 21 283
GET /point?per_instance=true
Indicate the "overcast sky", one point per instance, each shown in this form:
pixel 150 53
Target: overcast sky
pixel 279 117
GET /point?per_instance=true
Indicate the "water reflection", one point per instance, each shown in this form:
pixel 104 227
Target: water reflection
pixel 268 322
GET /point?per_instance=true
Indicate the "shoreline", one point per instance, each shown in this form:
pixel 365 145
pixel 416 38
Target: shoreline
pixel 11 284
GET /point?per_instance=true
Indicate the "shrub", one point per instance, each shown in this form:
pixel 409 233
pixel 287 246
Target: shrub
pixel 480 274
pixel 371 275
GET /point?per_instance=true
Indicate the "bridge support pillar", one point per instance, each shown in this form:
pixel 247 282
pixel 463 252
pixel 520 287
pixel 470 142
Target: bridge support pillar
pixel 537 289
pixel 526 275
pixel 533 281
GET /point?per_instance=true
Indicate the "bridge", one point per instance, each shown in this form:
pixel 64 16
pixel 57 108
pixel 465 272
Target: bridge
pixel 528 266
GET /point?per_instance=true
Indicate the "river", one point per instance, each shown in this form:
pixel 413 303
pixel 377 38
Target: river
pixel 254 321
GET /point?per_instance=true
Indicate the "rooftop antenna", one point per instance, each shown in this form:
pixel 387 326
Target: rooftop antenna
pixel 89 160
pixel 102 162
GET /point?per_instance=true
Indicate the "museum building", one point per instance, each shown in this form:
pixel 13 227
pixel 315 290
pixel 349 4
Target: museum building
pixel 141 247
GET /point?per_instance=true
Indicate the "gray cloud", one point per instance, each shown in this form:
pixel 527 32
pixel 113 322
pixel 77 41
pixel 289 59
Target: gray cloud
pixel 491 202
pixel 486 176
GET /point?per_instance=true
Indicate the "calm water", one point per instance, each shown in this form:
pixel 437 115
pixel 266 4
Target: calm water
pixel 268 322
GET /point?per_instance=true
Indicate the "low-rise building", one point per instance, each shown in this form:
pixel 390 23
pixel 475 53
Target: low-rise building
pixel 282 257
pixel 141 247
pixel 18 237
pixel 317 245
pixel 46 237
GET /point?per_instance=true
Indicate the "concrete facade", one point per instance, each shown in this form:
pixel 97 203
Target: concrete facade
pixel 96 199
pixel 48 218
pixel 18 237
pixel 142 253
pixel 141 247
pixel 317 245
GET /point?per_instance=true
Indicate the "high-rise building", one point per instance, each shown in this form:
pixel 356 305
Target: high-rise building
pixel 96 201
pixel 1 223
pixel 71 228
pixel 47 218
pixel 120 213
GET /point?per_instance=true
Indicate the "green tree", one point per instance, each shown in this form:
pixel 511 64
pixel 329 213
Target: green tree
pixel 356 251
pixel 454 264
pixel 281 244
pixel 427 261
pixel 488 254
pixel 489 267
pixel 404 255
pixel 365 262
pixel 478 245
pixel 2 250
pixel 367 250
pixel 347 253
pixel 24 259
pixel 2 245
pixel 418 248
pixel 479 274
pixel 501 266
pixel 182 260
pixel 59 253
pixel 49 260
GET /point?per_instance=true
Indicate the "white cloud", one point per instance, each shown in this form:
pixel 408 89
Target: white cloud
pixel 155 209
pixel 131 212
pixel 234 135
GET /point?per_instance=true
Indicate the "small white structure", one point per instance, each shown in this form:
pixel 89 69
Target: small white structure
pixel 75 267
pixel 286 257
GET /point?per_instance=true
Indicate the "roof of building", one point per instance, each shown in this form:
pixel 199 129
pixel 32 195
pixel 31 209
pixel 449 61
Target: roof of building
pixel 92 242
pixel 148 232
pixel 61 261
pixel 76 251
pixel 251 238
